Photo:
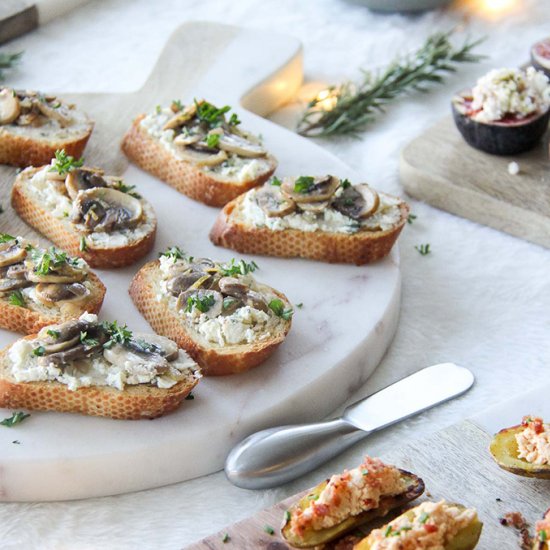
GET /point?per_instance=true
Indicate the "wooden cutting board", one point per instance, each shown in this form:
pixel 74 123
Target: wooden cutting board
pixel 455 465
pixel 337 338
pixel 440 168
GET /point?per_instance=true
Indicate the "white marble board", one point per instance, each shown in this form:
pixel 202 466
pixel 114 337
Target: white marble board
pixel 348 318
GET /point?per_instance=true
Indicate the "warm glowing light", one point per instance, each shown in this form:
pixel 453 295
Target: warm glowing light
pixel 495 8
pixel 326 100
pixel 499 5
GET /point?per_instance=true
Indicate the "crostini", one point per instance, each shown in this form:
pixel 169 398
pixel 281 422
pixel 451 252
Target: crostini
pixel 86 212
pixel 224 318
pixel 39 286
pixel 199 151
pixel 348 500
pixel 428 525
pixel 34 125
pixel 524 450
pixel 99 369
pixel 318 217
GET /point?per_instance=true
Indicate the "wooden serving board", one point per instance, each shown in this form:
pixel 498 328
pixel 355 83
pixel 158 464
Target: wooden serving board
pixel 348 318
pixel 455 465
pixel 440 168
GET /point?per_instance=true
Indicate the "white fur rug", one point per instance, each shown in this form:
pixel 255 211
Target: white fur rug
pixel 481 298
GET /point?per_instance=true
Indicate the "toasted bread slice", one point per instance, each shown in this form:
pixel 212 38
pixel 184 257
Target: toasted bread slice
pixel 235 229
pixel 206 184
pixel 132 402
pixel 41 210
pixel 161 312
pixel 34 143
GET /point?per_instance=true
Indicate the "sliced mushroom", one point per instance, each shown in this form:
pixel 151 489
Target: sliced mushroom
pixel 16 271
pixel 182 282
pixel 7 285
pixel 11 253
pixel 358 201
pixel 64 273
pixel 232 286
pixel 256 300
pixel 52 293
pixel 273 202
pixel 238 145
pixel 59 114
pixel 200 155
pixel 84 178
pixel 181 118
pixel 104 209
pixel 154 343
pixel 123 357
pixel 64 332
pixel 213 309
pixel 203 264
pixel 10 108
pixel 314 207
pixel 231 304
pixel 79 351
pixel 310 189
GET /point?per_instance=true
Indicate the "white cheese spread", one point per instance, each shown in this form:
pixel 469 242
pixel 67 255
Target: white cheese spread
pixel 329 220
pixel 534 441
pixel 510 92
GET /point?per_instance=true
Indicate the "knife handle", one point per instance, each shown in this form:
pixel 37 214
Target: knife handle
pixel 277 455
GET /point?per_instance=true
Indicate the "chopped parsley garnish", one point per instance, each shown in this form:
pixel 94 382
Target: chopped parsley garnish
pixel 276 181
pixel 202 304
pixel 300 305
pixel 234 120
pixel 365 472
pixel 388 531
pixel 6 238
pixel 345 183
pixel 177 105
pixel 411 218
pixel 226 537
pixel 313 496
pixel 304 184
pixel 423 517
pixel 175 252
pixel 269 530
pixel 214 117
pixel 391 533
pixel 83 244
pixel 287 515
pixel 16 442
pixel 15 418
pixel 117 334
pixel 16 298
pixel 49 260
pixel 228 301
pixel 64 163
pixel 53 333
pixel 239 268
pixel 423 249
pixel 213 140
pixel 128 189
pixel 158 109
pixel 543 536
pixel 39 351
pixel 278 307
pixel 88 342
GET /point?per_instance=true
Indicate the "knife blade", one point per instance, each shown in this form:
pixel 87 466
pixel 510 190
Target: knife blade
pixel 277 455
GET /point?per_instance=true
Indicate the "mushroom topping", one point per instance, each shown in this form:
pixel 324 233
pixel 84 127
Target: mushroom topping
pixel 232 286
pixel 11 252
pixel 207 302
pixel 53 113
pixel 10 108
pixel 55 273
pixel 104 209
pixel 188 139
pixel 14 271
pixel 7 285
pixel 232 143
pixel 183 281
pixel 358 201
pixel 273 202
pixel 52 293
pixel 181 118
pixel 84 178
pixel 314 207
pixel 309 188
pixel 231 304
pixel 120 356
pixel 256 300
pixel 154 344
pixel 201 155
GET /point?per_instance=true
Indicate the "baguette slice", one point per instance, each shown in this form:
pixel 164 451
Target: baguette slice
pixel 36 145
pixel 214 360
pixel 233 230
pixel 131 403
pixel 62 232
pixel 205 186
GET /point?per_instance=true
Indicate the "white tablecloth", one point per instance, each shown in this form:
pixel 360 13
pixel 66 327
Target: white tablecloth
pixel 481 298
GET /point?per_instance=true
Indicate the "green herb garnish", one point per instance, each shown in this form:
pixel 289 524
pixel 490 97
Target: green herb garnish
pixel 117 334
pixel 213 140
pixel 239 268
pixel 8 60
pixel 39 351
pixel 128 189
pixel 304 184
pixel 278 307
pixel 158 109
pixel 300 305
pixel 228 301
pixel 226 538
pixel 543 536
pixel 6 238
pixel 177 105
pixel 349 108
pixel 269 530
pixel 49 260
pixel 16 298
pixel 287 515
pixel 276 181
pixel 388 531
pixel 202 304
pixel 15 418
pixel 83 244
pixel 423 517
pixel 88 342
pixel 365 472
pixel 53 333
pixel 411 218
pixel 345 183
pixel 210 114
pixel 423 249
pixel 234 120
pixel 64 163
pixel 175 252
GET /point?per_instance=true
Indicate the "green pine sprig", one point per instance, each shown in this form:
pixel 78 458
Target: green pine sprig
pixel 8 61
pixel 351 106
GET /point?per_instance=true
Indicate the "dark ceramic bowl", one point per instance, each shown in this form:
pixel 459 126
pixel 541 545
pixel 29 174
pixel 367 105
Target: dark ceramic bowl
pixel 402 5
pixel 540 56
pixel 508 137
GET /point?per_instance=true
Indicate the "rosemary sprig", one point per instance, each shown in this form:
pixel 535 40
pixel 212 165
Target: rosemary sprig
pixel 8 60
pixel 350 107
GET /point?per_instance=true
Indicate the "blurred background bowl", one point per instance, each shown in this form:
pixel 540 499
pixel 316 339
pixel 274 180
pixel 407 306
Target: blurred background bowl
pixel 402 5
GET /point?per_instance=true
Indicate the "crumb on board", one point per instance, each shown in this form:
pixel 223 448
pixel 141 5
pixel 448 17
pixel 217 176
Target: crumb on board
pixel 518 522
pixel 513 168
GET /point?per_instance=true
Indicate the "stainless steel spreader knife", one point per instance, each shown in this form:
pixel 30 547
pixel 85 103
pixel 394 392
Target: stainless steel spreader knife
pixel 275 456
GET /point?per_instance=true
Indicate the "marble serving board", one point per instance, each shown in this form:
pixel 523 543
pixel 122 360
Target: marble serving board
pixel 347 321
pixel 455 465
pixel 440 168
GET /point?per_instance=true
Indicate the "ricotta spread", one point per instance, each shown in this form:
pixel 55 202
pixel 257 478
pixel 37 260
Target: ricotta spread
pixel 534 441
pixel 97 370
pixel 235 168
pixel 510 92
pixel 349 494
pixel 432 526
pixel 51 194
pixel 329 220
